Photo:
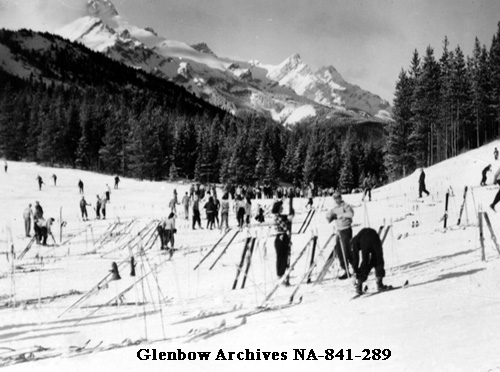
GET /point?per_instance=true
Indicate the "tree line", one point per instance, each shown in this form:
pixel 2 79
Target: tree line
pixel 87 111
pixel 444 106
pixel 138 134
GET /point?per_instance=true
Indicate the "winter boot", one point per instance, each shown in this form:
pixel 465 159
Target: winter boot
pixel 380 285
pixel 358 287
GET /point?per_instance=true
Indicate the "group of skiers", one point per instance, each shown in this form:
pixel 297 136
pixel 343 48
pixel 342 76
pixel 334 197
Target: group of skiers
pixel 359 254
pixel 41 227
pixel 100 204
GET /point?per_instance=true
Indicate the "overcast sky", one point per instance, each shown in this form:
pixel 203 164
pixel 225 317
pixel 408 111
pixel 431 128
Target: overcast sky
pixel 368 42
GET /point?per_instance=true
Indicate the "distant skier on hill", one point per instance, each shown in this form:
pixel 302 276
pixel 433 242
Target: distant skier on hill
pixel 421 184
pixel 484 174
pixel 83 208
pixel 117 181
pixel 40 182
pixel 54 177
pixel 80 186
pixel 495 153
pixel 367 253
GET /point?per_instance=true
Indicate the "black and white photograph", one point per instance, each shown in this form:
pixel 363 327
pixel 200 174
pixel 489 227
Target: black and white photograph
pixel 242 185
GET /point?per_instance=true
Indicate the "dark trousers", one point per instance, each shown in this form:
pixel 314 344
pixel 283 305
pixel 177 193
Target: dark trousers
pixel 282 247
pixel 43 235
pixel 421 189
pixel 240 216
pixel 367 254
pixel 343 247
pixel 196 218
pixel 27 226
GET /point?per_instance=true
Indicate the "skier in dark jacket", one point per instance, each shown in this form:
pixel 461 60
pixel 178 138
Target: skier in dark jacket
pixel 367 254
pixel 484 174
pixel 283 226
pixel 40 182
pixel 83 208
pixel 210 212
pixel 421 184
pixel 80 186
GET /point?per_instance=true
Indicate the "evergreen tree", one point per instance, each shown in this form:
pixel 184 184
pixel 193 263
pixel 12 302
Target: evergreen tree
pixel 399 158
pixel 494 69
pixel 426 108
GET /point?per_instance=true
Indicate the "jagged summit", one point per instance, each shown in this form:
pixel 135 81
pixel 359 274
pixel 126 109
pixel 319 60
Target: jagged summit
pixel 101 9
pixel 203 48
pixel 275 90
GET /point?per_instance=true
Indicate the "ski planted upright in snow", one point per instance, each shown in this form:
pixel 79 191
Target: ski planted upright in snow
pixel 445 217
pixel 463 205
pixel 243 256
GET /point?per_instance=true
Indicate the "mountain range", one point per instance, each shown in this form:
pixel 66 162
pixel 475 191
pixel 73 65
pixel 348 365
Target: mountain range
pixel 287 92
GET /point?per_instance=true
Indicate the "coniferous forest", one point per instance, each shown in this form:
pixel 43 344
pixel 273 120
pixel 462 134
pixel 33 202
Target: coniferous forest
pixel 84 110
pixel 444 105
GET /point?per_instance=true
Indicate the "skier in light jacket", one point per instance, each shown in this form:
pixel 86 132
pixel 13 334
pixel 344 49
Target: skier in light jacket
pixel 342 213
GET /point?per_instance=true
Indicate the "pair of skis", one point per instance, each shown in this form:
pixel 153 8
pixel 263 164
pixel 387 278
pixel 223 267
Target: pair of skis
pixel 388 288
pixel 284 277
pixel 307 220
pixel 215 246
pixel 245 257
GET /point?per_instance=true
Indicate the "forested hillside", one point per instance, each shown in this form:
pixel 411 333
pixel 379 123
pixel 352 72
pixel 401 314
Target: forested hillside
pixel 81 109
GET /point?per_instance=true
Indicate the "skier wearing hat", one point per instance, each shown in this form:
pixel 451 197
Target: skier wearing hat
pixel 342 213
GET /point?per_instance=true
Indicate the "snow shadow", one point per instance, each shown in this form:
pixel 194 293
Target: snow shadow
pixel 430 261
pixel 450 276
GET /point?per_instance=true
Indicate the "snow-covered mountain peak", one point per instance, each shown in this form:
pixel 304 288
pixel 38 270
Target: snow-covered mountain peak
pixel 101 8
pixel 330 74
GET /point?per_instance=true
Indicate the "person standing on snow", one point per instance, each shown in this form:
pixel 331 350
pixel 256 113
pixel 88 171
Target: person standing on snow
pixel 54 177
pixel 196 213
pixel 185 203
pixel 104 201
pixel 27 215
pixel 117 181
pixel 282 242
pixel 496 180
pixel 367 254
pixel 98 205
pixel 210 212
pixel 342 213
pixel 240 210
pixel 421 184
pixel 83 208
pixel 80 186
pixel 40 182
pixel 484 174
pixel 169 232
pixel 224 212
pixel 107 193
